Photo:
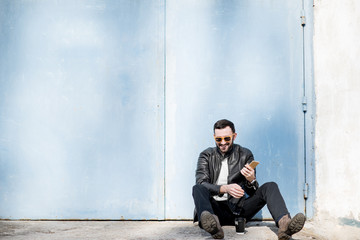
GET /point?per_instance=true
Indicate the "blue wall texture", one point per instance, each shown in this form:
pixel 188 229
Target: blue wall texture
pixel 105 105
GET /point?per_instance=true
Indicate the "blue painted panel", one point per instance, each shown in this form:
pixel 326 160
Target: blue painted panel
pixel 81 109
pixel 81 102
pixel 240 60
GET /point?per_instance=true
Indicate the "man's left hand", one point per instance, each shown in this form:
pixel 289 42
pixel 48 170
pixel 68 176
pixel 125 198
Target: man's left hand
pixel 248 173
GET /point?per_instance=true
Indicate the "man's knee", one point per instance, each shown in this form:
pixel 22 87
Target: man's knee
pixel 197 188
pixel 271 185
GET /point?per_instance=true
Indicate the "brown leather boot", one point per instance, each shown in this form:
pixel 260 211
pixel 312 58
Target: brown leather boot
pixel 289 226
pixel 210 223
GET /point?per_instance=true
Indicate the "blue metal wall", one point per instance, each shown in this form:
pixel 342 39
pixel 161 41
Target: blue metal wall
pixel 105 105
pixel 81 111
pixel 240 60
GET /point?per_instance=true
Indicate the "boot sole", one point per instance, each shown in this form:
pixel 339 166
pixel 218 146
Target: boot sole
pixel 296 224
pixel 210 224
pixel 284 236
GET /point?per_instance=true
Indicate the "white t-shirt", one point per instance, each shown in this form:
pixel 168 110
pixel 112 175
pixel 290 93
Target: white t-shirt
pixel 222 179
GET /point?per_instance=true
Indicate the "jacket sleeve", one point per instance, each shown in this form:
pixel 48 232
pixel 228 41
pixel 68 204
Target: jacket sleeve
pixel 203 175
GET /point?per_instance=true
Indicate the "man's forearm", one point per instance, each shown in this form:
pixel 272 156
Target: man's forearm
pixel 214 189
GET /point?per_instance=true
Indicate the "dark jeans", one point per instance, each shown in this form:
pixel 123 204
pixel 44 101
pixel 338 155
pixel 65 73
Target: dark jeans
pixel 268 193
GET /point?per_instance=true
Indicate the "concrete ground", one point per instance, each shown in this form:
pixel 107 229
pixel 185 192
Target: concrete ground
pixel 89 230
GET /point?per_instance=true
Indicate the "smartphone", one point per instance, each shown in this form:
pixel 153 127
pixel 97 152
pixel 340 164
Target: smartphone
pixel 253 164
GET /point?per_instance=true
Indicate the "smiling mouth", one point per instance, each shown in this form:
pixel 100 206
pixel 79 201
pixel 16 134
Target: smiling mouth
pixel 224 146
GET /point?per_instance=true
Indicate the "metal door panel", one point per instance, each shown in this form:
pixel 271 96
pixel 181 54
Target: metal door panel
pixel 81 111
pixel 82 102
pixel 240 60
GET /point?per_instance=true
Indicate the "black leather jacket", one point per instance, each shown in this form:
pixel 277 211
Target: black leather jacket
pixel 208 170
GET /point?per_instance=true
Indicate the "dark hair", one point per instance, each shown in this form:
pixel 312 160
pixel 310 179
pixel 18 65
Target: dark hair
pixel 223 123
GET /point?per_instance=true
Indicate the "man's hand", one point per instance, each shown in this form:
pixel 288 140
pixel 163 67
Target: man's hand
pixel 248 173
pixel 233 189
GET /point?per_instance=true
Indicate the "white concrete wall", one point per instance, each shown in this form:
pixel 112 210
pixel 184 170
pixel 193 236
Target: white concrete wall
pixel 337 88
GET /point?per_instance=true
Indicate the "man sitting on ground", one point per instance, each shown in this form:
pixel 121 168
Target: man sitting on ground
pixel 226 188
